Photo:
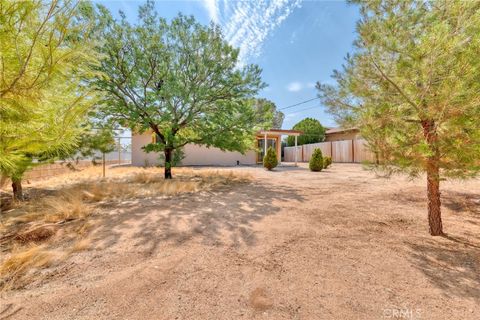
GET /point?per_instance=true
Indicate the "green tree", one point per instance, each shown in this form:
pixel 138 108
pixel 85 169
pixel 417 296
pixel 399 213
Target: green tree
pixel 270 160
pixel 316 161
pixel 43 98
pixel 180 80
pixel 267 115
pixel 313 132
pixel 412 86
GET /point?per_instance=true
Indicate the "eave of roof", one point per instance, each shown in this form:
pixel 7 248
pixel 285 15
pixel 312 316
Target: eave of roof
pixel 281 131
pixel 339 130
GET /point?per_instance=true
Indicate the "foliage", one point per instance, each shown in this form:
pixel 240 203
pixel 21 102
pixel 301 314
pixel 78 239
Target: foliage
pixel 43 97
pixel 100 139
pixel 313 132
pixel 267 115
pixel 177 156
pixel 316 162
pixel 270 160
pixel 327 161
pixel 412 87
pixel 179 80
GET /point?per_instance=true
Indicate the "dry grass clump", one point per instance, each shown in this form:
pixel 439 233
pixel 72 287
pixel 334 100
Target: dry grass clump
pixel 150 183
pixel 68 206
pixel 28 234
pixel 21 265
pixel 59 220
pixel 146 176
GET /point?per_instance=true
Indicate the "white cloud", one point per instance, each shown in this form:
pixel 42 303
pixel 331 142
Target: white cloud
pixel 247 24
pixel 295 86
pixel 212 9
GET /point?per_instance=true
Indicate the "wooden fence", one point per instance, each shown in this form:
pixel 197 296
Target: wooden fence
pixel 340 151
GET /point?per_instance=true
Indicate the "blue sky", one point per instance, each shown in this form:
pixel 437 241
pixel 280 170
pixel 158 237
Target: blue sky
pixel 296 43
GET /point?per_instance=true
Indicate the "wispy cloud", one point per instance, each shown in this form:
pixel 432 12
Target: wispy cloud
pixel 247 24
pixel 294 86
pixel 211 6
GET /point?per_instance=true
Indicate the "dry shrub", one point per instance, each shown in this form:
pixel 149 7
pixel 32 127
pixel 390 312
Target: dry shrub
pixel 66 207
pixel 33 223
pixel 105 191
pixel 22 264
pixel 146 176
pixel 81 245
pixel 220 177
pixel 171 187
pixel 41 223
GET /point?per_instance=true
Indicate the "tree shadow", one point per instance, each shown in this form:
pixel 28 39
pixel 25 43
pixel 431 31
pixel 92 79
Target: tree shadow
pixel 466 203
pixel 224 216
pixel 451 264
pixel 9 310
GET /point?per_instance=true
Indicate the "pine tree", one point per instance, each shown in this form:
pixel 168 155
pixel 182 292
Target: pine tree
pixel 413 88
pixel 43 98
pixel 316 161
pixel 270 160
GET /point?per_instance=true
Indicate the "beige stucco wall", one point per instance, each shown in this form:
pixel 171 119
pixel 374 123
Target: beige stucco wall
pixel 194 155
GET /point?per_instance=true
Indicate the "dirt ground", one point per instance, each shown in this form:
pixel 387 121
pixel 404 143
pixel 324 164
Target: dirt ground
pixel 292 244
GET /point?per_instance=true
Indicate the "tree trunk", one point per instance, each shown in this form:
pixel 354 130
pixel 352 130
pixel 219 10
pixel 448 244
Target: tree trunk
pixel 434 202
pixel 17 189
pixel 168 163
pixel 433 179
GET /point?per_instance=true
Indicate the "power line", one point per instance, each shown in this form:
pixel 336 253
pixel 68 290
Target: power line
pixel 297 111
pixel 297 104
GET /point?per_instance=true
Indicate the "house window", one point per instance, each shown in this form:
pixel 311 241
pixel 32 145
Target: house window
pixel 261 147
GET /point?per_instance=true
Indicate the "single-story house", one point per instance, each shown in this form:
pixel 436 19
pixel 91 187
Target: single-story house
pixel 337 134
pixel 201 155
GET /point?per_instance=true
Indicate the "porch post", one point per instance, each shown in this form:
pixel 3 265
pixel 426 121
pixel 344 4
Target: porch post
pixel 265 145
pixel 296 151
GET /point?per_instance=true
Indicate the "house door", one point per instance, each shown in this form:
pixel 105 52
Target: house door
pixel 261 146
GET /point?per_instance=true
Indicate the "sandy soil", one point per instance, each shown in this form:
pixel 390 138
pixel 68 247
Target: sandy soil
pixel 339 244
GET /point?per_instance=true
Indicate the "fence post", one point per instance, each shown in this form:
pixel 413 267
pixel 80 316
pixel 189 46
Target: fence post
pixel 296 151
pixel 353 150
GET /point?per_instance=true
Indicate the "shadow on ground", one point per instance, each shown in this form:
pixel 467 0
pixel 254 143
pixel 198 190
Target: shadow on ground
pixel 224 216
pixel 451 263
pixel 465 204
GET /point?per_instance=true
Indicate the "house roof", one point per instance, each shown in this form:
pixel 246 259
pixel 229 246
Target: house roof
pixel 340 130
pixel 281 131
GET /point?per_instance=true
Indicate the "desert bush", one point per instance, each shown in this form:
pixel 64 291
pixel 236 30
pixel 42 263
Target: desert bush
pixel 270 160
pixel 316 161
pixel 66 206
pixel 53 225
pixel 23 261
pixel 327 161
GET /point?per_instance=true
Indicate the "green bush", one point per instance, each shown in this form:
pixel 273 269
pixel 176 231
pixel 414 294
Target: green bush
pixel 327 161
pixel 270 160
pixel 316 161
